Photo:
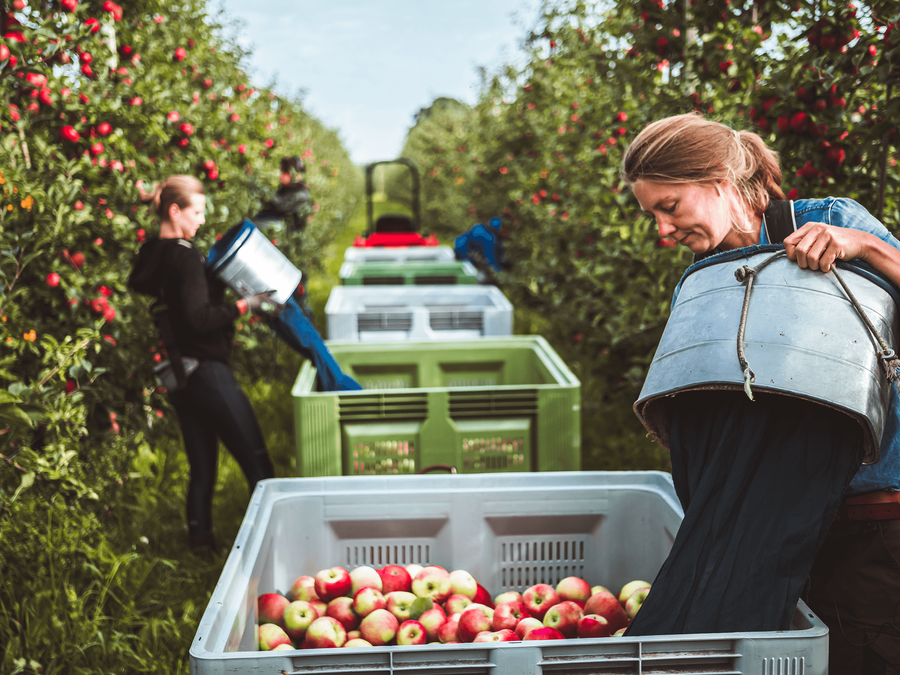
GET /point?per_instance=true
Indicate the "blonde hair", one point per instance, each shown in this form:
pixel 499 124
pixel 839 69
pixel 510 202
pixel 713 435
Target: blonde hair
pixel 691 149
pixel 173 190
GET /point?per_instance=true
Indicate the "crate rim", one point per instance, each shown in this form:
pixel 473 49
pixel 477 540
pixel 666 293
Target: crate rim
pixel 306 378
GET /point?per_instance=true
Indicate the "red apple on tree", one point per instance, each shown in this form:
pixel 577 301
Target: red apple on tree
pixel 379 627
pixel 324 633
pixel 53 280
pixel 332 583
pixel 411 633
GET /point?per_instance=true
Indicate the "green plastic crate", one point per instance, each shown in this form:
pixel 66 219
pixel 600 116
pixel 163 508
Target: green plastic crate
pixel 408 272
pixel 484 405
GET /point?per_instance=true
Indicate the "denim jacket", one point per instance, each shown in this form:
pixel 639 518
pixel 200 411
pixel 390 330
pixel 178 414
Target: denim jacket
pixel 885 475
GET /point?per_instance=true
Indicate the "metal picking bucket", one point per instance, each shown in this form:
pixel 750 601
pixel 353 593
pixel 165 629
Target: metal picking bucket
pixel 249 263
pixel 803 338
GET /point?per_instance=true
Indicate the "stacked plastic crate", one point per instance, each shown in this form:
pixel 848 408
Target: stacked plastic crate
pixel 445 383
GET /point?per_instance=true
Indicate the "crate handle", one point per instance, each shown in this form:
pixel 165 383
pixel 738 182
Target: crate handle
pixel 438 467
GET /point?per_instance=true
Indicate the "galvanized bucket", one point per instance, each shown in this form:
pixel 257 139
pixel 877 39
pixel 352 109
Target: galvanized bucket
pixel 249 263
pixel 803 338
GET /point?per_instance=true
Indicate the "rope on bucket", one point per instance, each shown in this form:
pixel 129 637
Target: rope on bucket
pixel 888 359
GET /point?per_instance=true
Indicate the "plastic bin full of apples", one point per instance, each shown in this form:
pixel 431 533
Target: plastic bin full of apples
pixel 415 605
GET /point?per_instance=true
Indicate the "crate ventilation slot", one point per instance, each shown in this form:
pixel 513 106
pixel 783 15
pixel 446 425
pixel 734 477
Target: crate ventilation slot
pixel 483 404
pixel 379 321
pixel 383 281
pixel 456 320
pixel 381 554
pixel 376 407
pixel 650 663
pixel 435 280
pixel 547 559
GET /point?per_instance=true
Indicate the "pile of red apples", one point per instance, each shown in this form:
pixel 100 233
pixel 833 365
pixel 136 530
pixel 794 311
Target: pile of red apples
pixel 417 605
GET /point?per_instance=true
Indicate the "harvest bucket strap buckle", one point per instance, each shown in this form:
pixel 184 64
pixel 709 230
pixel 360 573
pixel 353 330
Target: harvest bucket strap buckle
pixel 882 505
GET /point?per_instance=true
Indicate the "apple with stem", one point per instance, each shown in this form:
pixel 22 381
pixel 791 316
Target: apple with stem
pixel 298 617
pixel 432 582
pixel 539 598
pixel 379 627
pixel 394 578
pixel 411 633
pixel 399 603
pixel 332 583
pixel 564 617
pixel 270 636
pixel 324 633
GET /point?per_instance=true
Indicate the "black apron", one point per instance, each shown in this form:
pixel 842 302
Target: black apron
pixel 759 482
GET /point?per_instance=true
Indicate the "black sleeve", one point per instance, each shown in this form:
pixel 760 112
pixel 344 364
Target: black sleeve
pixel 200 314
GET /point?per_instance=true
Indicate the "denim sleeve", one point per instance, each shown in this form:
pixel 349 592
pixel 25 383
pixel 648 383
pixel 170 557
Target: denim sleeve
pixel 844 213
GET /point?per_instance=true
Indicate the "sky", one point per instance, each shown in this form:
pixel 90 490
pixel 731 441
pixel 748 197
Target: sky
pixel 367 66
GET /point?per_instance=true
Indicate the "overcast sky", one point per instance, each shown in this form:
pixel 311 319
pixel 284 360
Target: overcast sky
pixel 367 66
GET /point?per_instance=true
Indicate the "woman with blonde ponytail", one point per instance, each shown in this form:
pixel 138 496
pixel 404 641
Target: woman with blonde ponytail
pixel 714 189
pixel 196 325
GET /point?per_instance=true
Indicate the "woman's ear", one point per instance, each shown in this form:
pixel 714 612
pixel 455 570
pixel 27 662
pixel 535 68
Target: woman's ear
pixel 174 211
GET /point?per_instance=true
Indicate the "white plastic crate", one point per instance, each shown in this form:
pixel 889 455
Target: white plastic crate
pixel 400 313
pixel 510 531
pixel 362 254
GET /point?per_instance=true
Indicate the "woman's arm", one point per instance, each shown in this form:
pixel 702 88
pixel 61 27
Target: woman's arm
pixel 817 245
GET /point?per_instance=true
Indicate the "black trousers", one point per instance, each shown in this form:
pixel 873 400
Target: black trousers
pixel 213 407
pixel 854 587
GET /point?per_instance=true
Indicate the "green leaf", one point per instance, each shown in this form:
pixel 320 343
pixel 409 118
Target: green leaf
pixel 27 482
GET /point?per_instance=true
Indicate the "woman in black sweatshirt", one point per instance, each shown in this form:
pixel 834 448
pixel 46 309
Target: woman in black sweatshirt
pixel 210 404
